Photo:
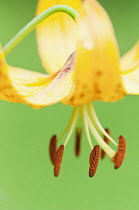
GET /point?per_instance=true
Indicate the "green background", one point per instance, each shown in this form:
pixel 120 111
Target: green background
pixel 26 178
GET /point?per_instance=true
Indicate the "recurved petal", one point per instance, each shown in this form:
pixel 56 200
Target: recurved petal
pixel 56 35
pixel 130 70
pixel 32 88
pixel 97 70
pixel 130 60
pixel 130 86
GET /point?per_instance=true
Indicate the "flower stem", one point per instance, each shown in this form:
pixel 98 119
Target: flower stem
pixel 33 23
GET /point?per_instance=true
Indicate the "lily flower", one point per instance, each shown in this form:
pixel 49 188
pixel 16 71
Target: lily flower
pixel 84 65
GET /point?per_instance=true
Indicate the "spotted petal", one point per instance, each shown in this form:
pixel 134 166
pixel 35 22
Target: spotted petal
pixel 32 88
pixel 97 70
pixel 56 35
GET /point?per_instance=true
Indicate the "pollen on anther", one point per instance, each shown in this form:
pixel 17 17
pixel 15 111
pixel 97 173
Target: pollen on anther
pixel 58 160
pixel 119 157
pixel 103 154
pixel 52 148
pixel 94 159
pixel 78 142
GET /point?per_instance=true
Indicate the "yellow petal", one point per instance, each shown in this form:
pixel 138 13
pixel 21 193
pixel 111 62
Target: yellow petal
pixel 97 69
pixel 32 88
pixel 130 86
pixel 130 70
pixel 56 35
pixel 130 60
pixel 58 89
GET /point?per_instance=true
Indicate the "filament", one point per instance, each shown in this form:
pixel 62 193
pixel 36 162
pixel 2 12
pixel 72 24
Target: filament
pixel 74 120
pixel 68 125
pixel 85 115
pixel 94 118
pixel 99 139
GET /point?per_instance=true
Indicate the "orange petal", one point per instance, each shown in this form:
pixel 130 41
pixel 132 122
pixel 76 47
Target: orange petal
pixel 56 35
pixel 97 69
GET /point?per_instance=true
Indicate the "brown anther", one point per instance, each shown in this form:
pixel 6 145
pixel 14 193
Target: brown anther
pixel 58 160
pixel 119 157
pixel 103 154
pixel 52 148
pixel 78 142
pixel 94 159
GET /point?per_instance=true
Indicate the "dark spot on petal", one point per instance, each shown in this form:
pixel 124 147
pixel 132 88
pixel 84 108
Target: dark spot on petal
pixel 82 95
pixel 72 99
pixel 98 73
pixel 96 88
pixel 85 86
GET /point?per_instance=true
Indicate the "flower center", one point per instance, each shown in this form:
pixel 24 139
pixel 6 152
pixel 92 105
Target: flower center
pixel 102 136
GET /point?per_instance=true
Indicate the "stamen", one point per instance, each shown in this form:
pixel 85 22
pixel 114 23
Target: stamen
pixel 94 159
pixel 68 125
pixel 103 154
pixel 85 114
pixel 78 141
pixel 52 149
pixel 95 120
pixel 74 120
pixel 99 139
pixel 58 160
pixel 119 157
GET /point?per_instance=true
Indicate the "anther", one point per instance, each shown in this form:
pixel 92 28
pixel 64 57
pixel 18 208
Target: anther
pixel 52 148
pixel 119 157
pixel 58 160
pixel 78 141
pixel 94 159
pixel 103 154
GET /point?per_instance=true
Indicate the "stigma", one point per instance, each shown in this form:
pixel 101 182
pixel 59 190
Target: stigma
pixel 99 140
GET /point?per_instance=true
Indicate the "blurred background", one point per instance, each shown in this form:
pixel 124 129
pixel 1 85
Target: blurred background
pixel 26 174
